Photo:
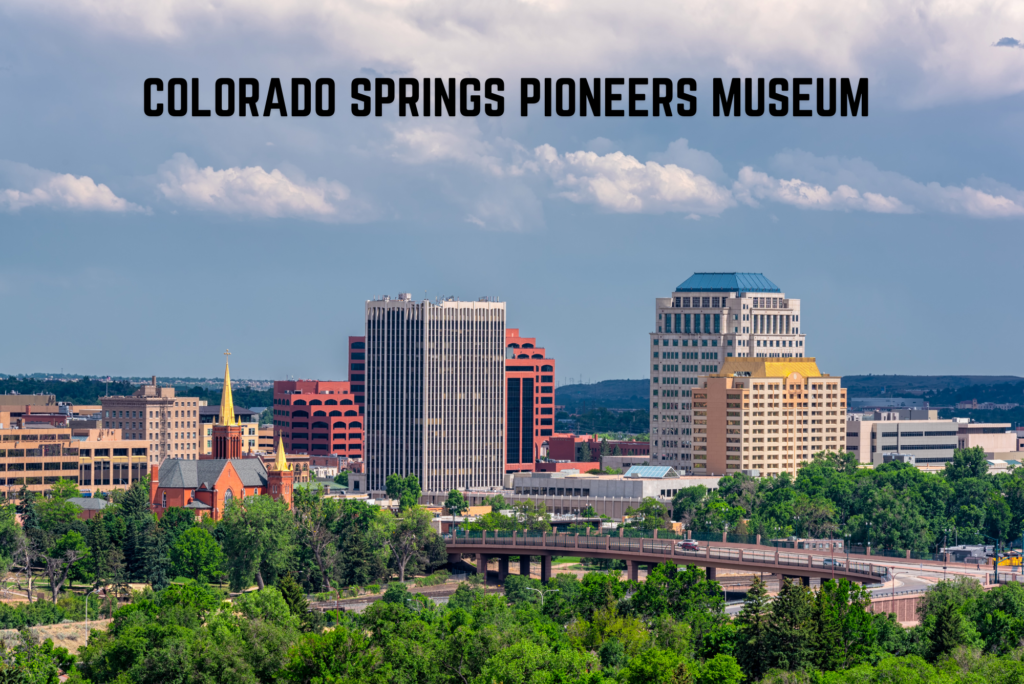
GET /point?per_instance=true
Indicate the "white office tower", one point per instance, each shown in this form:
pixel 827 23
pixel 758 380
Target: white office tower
pixel 709 318
pixel 435 392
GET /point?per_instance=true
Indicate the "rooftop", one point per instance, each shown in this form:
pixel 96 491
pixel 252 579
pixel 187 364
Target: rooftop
pixel 181 473
pixel 728 282
pixel 805 366
pixel 654 472
pixel 88 503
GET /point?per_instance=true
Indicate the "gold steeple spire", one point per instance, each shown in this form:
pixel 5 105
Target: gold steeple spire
pixel 227 405
pixel 282 462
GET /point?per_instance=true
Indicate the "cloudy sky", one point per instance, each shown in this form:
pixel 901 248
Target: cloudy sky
pixel 140 245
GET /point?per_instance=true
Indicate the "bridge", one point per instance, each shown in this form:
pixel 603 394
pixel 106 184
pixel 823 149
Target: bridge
pixel 636 551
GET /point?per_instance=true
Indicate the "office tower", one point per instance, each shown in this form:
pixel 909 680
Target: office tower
pixel 529 400
pixel 318 417
pixel 435 392
pixel 709 318
pixel 167 423
pixel 766 414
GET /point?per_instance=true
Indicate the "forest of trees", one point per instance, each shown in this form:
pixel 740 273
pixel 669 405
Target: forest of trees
pixel 895 506
pixel 89 391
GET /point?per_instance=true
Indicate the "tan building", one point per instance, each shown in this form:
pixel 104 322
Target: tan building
pixel 166 423
pixel 298 463
pixel 769 415
pixel 708 319
pixel 916 433
pixel 96 460
pixel 993 438
pixel 247 420
pixel 265 437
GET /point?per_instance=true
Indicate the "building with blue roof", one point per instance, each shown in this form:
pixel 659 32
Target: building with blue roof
pixel 707 319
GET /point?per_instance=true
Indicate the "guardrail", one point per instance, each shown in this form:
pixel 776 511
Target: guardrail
pixel 670 548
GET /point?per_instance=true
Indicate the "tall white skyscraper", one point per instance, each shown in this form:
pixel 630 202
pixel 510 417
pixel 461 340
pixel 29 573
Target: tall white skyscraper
pixel 435 392
pixel 710 317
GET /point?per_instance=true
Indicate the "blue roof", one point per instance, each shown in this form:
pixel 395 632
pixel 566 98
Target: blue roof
pixel 728 282
pixel 651 471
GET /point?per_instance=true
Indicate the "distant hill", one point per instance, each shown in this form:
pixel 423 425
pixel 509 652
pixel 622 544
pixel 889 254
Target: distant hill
pixel 939 390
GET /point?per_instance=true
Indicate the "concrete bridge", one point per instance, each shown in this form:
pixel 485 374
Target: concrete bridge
pixel 651 551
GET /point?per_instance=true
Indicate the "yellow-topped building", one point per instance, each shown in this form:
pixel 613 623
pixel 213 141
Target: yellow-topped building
pixel 766 414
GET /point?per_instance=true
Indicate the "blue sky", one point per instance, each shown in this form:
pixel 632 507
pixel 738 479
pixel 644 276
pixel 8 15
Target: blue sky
pixel 135 245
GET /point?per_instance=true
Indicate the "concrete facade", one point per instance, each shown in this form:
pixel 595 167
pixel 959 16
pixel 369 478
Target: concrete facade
pixel 991 437
pixel 709 318
pixel 435 392
pixel 168 424
pixel 929 441
pixel 96 460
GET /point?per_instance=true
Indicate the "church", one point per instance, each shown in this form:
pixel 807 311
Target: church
pixel 205 486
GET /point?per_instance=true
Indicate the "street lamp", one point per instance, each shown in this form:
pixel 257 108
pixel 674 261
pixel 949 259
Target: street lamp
pixel 87 612
pixel 541 592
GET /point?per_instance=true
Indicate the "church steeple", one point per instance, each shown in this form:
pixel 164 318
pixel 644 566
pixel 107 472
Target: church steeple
pixel 282 461
pixel 227 404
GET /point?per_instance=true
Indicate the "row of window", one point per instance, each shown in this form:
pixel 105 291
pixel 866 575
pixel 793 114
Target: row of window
pixel 686 343
pixel 691 323
pixel 314 402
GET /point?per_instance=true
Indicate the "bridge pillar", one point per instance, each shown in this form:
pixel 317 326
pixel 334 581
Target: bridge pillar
pixel 545 568
pixel 502 569
pixel 633 569
pixel 806 581
pixel 454 558
pixel 481 563
pixel 712 573
pixel 524 565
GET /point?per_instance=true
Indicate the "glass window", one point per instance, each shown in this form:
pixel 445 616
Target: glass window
pixel 714 302
pixel 705 301
pixel 686 323
pixel 718 323
pixel 707 323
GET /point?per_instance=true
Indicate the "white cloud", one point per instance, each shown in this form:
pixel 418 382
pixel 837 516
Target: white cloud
pixel 919 52
pixel 621 183
pixel 756 185
pixel 981 198
pixel 251 191
pixel 446 141
pixel 39 188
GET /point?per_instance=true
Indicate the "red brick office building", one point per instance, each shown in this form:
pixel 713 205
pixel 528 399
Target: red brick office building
pixel 529 400
pixel 318 418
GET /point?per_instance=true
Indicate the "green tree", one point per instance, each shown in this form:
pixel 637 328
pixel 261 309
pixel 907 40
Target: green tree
pixel 363 551
pixel 411 539
pixel 64 489
pixel 753 639
pixel 258 541
pixel 456 504
pixel 398 593
pixel 175 522
pixel 315 520
pixel 66 554
pixel 844 631
pixel 406 490
pixel 650 515
pixel 967 463
pixel 791 627
pixel 341 478
pixel 197 555
pixel 496 502
pixel 722 669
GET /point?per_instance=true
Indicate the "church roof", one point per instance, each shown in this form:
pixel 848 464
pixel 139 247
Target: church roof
pixel 727 282
pixel 180 473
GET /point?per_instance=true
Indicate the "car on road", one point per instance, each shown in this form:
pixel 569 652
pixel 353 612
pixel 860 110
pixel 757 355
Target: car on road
pixel 688 545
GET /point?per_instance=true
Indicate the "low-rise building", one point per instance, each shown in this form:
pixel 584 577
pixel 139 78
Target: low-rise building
pixel 97 460
pixel 991 437
pixel 930 442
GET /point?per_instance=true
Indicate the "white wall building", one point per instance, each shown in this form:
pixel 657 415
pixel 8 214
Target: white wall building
pixel 711 317
pixel 435 392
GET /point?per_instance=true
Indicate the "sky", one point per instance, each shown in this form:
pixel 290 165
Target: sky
pixel 135 245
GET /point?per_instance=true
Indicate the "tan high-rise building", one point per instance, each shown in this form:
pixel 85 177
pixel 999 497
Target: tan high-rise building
pixel 168 424
pixel 711 317
pixel 769 415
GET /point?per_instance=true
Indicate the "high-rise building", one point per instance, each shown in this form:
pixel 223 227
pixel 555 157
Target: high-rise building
pixel 167 423
pixel 765 414
pixel 529 400
pixel 709 318
pixel 318 417
pixel 357 367
pixel 435 392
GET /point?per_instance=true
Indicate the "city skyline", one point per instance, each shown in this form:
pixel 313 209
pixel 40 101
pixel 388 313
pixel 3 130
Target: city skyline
pixel 890 225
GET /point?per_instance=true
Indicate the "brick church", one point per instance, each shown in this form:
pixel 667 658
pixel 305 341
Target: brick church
pixel 205 486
